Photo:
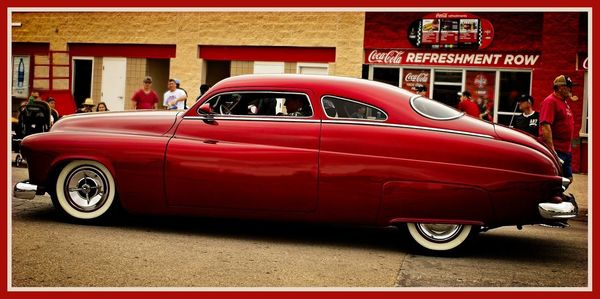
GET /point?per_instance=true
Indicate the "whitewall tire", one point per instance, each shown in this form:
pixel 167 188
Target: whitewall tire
pixel 440 237
pixel 85 190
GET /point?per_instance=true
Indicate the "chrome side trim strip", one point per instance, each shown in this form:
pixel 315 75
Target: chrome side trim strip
pixel 407 127
pixel 347 122
pixel 253 118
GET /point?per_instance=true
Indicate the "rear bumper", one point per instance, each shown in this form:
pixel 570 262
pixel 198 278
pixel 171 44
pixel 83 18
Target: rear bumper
pixel 25 190
pixel 556 211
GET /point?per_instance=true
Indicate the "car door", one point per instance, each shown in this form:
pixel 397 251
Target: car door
pixel 246 156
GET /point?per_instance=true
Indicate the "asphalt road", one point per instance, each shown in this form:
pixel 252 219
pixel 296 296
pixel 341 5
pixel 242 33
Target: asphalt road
pixel 134 251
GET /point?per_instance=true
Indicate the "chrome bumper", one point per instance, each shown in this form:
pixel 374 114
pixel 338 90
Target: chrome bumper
pixel 557 211
pixel 25 190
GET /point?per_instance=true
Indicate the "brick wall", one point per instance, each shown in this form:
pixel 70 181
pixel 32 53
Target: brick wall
pixel 187 30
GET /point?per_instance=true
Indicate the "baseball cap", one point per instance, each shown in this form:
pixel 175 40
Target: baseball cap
pixel 465 93
pixel 177 81
pixel 148 79
pixel 563 80
pixel 525 98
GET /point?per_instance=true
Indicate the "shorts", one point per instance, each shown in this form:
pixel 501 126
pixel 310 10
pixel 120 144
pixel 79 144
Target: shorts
pixel 566 167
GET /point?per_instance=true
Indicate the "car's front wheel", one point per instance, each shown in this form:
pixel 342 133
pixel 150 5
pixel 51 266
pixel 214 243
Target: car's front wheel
pixel 440 237
pixel 84 190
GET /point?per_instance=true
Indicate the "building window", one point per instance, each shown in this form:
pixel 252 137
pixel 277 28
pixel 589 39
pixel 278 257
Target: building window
pixel 512 85
pixel 482 85
pixel 446 86
pixel 312 68
pixel 343 108
pixel 269 67
pixel 389 75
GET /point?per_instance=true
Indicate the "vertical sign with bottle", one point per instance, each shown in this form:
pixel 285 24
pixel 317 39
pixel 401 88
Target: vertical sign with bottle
pixel 20 78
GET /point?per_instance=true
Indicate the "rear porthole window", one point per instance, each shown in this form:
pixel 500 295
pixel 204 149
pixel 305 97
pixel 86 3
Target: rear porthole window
pixel 433 109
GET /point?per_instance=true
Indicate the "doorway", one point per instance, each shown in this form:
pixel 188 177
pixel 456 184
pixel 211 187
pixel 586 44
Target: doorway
pixel 83 68
pixel 217 71
pixel 113 82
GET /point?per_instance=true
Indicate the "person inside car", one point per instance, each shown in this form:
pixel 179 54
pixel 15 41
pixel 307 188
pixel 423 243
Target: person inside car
pixel 295 106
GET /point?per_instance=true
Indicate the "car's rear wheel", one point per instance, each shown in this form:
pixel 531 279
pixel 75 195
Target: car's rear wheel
pixel 440 237
pixel 85 190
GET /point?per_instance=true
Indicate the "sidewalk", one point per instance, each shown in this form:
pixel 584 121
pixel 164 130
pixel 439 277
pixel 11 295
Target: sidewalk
pixel 579 188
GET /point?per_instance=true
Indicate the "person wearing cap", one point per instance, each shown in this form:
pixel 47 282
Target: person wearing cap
pixel 145 97
pixel 87 106
pixel 556 122
pixel 54 116
pixel 178 85
pixel 467 104
pixel 421 90
pixel 529 119
pixel 174 98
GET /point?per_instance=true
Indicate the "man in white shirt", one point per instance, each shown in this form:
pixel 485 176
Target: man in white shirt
pixel 174 98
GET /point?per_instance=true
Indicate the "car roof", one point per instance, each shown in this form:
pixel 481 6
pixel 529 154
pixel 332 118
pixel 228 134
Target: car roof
pixel 374 92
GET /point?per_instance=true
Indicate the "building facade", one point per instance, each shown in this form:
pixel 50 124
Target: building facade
pixel 496 56
pixel 105 55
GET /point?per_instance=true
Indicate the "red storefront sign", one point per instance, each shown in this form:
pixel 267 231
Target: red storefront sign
pixel 440 58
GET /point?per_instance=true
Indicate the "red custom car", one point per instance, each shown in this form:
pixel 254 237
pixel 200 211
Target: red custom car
pixel 308 148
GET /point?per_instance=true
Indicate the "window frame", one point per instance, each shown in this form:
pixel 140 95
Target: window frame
pixel 350 118
pixel 259 116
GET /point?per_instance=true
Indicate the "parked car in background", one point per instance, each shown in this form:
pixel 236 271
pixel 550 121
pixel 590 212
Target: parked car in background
pixel 303 148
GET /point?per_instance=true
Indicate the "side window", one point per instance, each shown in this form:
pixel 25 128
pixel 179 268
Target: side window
pixel 261 104
pixel 343 108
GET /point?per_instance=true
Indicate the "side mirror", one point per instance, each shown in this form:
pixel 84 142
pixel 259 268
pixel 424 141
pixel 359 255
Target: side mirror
pixel 207 112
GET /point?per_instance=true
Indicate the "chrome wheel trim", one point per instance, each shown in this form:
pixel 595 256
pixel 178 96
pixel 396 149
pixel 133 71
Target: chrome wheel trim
pixel 439 233
pixel 86 188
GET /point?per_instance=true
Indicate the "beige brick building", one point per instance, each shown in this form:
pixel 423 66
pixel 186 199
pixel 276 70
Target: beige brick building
pixel 67 51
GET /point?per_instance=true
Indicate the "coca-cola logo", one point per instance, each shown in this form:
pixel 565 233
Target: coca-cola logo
pixel 480 80
pixel 585 64
pixel 417 78
pixel 389 57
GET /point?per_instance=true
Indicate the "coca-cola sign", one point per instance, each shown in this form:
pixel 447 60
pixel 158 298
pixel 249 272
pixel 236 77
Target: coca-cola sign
pixel 421 77
pixel 415 79
pixel 420 57
pixel 389 57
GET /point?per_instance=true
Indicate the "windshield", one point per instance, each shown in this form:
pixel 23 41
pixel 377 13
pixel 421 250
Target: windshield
pixel 433 109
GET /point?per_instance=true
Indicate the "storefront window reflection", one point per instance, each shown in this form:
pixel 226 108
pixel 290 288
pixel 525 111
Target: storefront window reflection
pixel 446 87
pixel 387 75
pixel 512 85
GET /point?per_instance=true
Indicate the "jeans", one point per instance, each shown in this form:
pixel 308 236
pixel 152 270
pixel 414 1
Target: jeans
pixel 566 167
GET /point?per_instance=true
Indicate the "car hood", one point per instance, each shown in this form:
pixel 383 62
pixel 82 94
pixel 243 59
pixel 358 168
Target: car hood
pixel 131 122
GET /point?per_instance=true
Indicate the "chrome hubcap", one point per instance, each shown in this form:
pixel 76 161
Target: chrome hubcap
pixel 439 232
pixel 86 188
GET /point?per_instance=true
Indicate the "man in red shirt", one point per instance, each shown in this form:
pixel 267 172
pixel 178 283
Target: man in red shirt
pixel 467 104
pixel 556 122
pixel 145 98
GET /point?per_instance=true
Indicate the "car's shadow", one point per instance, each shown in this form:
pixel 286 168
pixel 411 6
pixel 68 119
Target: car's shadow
pixel 515 246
